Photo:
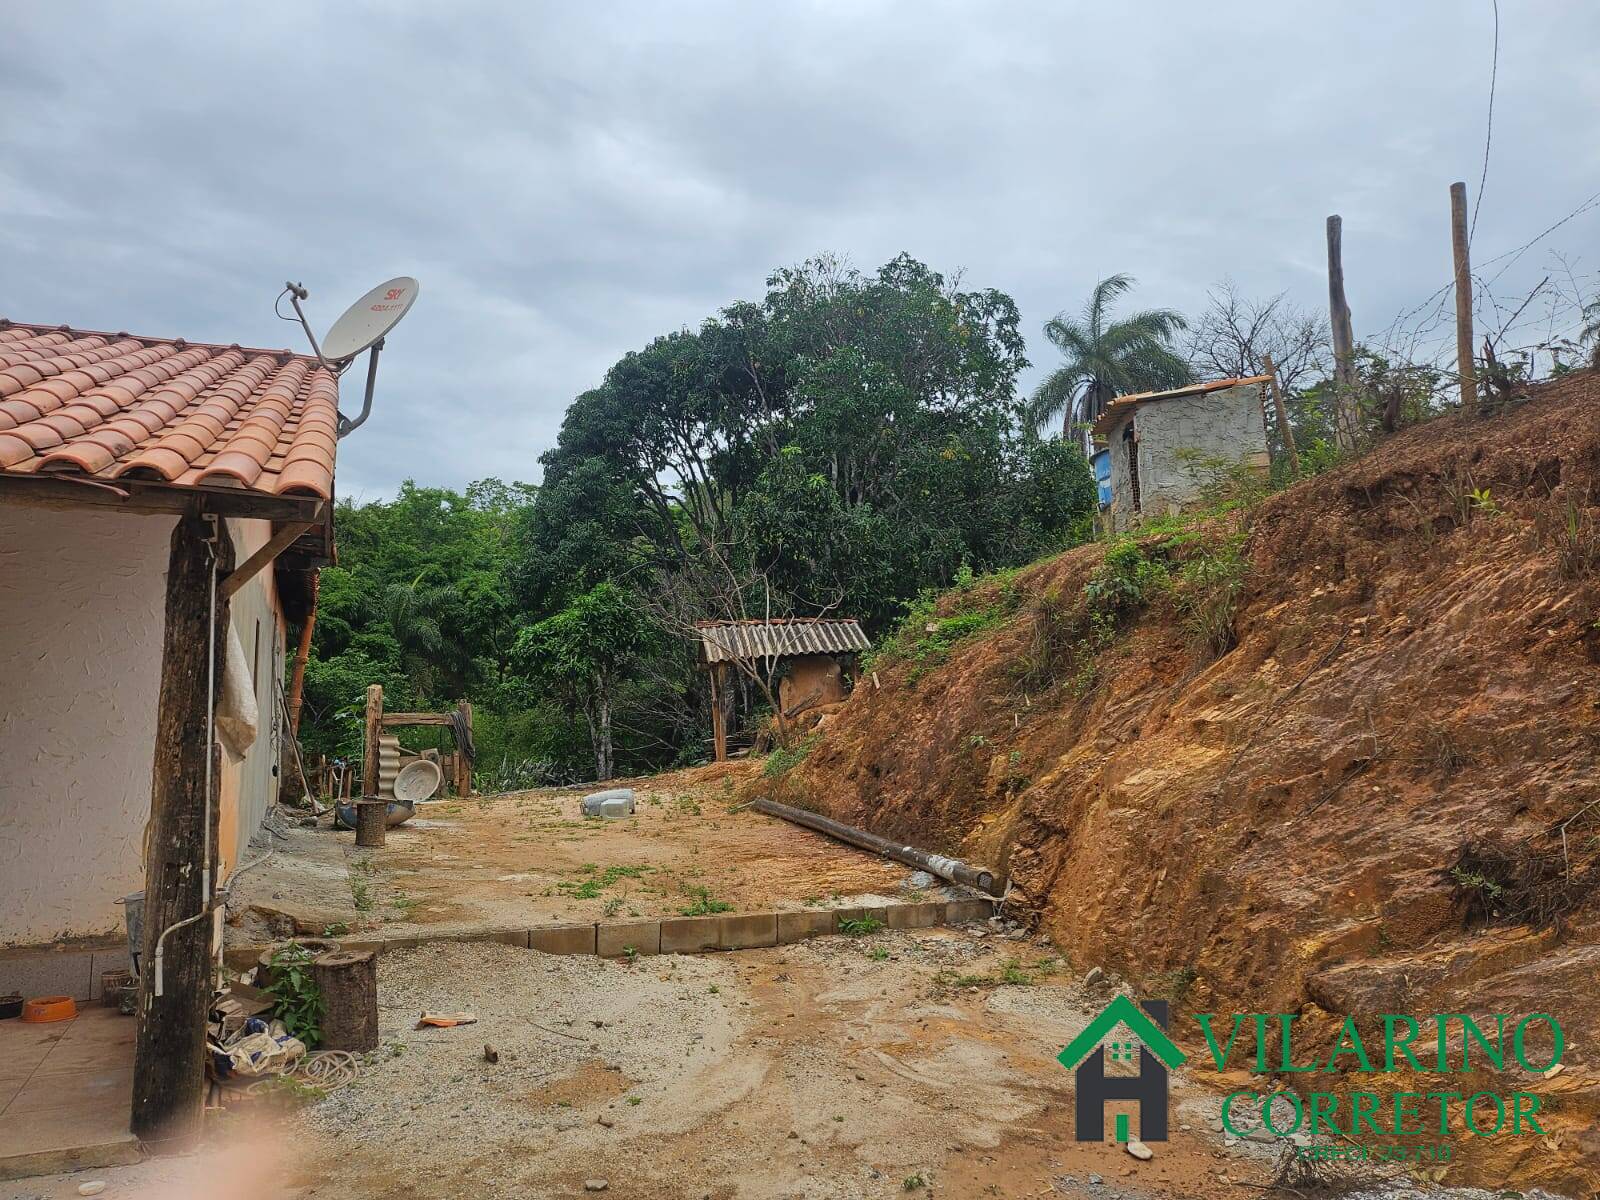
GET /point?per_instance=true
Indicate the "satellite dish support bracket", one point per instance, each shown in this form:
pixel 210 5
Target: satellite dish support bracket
pixel 346 425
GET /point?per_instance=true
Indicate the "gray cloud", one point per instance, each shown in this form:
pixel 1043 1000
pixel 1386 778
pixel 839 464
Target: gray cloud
pixel 569 181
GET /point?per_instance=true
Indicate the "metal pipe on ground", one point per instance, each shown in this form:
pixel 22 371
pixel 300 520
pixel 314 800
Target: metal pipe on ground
pixel 945 868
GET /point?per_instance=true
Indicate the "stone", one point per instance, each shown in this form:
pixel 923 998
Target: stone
pixel 1139 1150
pixel 93 1188
pixel 604 1122
pixel 1094 976
pixel 595 1185
pixel 918 879
pixel 1095 1181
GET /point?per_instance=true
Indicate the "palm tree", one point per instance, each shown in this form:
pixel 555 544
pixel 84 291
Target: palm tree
pixel 1106 358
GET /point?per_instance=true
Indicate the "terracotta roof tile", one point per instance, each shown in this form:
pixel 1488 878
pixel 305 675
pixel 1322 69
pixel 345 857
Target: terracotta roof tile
pixel 191 415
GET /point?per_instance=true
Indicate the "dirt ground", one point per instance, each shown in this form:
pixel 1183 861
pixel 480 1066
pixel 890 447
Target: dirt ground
pixel 1409 682
pixel 530 858
pixel 892 1065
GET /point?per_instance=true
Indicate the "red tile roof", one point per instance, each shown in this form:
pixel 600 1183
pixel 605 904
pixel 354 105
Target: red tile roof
pixel 112 405
pixel 1122 404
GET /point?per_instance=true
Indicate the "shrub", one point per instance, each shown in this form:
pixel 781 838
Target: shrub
pixel 1124 581
pixel 1207 595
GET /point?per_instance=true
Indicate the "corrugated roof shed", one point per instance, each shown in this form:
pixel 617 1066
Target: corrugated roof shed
pixel 722 641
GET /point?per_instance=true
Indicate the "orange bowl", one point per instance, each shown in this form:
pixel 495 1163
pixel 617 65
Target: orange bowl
pixel 41 1009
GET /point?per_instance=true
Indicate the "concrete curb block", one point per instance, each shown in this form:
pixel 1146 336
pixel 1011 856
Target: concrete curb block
pixel 614 941
pixel 674 935
pixel 749 932
pixel 797 926
pixel 690 935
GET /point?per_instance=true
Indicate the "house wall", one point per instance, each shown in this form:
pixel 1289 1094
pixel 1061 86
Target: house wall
pixel 1185 445
pixel 82 615
pixel 250 785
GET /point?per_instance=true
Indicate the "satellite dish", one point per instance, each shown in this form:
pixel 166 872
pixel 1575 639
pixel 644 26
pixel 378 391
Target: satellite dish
pixel 363 326
pixel 369 318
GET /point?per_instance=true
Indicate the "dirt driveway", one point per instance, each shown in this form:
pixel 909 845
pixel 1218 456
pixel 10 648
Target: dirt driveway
pixel 835 1068
pixel 530 858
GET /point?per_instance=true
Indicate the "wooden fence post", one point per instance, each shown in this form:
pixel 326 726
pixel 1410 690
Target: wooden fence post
pixel 1458 242
pixel 463 778
pixel 1284 431
pixel 169 1082
pixel 370 829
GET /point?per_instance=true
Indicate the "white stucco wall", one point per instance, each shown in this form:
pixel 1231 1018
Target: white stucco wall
pixel 82 615
pixel 82 599
pixel 1185 445
pixel 249 787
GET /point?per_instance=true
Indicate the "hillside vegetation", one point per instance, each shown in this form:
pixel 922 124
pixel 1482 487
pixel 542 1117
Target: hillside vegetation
pixel 1313 754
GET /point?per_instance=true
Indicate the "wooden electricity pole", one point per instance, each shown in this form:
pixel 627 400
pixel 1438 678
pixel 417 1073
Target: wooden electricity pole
pixel 1284 431
pixel 1458 240
pixel 169 1081
pixel 1345 417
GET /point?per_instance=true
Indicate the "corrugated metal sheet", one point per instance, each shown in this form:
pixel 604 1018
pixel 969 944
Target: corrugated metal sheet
pixel 721 641
pixel 1122 404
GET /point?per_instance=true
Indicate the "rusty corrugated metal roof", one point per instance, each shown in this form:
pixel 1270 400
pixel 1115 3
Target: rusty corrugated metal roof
pixel 1122 404
pixel 721 641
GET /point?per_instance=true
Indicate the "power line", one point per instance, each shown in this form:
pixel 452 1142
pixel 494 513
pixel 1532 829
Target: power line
pixel 1488 133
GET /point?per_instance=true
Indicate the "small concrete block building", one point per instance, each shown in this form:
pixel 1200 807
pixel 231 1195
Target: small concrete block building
pixel 1167 448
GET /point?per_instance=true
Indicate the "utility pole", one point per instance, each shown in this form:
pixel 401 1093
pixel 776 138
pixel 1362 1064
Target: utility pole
pixel 1345 419
pixel 1458 241
pixel 1283 416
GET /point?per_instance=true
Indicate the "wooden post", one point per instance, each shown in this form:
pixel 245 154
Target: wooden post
pixel 1458 241
pixel 719 728
pixel 302 655
pixel 1345 419
pixel 463 759
pixel 369 740
pixel 1284 431
pixel 169 1082
pixel 371 809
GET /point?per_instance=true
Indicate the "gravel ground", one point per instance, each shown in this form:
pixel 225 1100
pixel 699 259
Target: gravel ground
pixel 839 1069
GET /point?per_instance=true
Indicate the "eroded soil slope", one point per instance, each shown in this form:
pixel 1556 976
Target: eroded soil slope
pixel 1415 667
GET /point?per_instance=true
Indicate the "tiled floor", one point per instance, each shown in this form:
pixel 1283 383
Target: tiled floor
pixel 65 1092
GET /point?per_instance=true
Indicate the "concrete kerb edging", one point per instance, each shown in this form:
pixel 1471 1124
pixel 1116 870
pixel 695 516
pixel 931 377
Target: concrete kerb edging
pixel 675 935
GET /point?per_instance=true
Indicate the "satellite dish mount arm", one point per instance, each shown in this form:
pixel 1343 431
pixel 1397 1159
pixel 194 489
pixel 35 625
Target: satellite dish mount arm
pixel 346 425
pixel 297 292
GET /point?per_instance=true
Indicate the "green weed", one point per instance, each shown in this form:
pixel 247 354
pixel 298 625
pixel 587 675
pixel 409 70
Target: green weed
pixel 702 904
pixel 859 926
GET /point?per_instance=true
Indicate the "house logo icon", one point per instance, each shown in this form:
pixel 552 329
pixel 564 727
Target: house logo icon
pixel 1143 1026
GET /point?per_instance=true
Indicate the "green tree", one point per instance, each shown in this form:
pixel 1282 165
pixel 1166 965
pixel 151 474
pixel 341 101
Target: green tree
pixel 1106 358
pixel 582 653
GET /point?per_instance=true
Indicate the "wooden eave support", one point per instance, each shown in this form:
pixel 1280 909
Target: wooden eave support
pixel 279 542
pixel 145 498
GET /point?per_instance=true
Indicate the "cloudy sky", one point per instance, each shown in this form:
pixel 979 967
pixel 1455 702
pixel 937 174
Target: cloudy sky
pixel 569 180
